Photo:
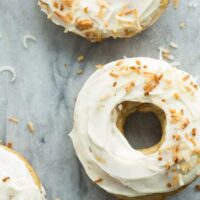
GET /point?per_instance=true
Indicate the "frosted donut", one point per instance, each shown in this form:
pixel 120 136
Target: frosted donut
pixel 18 180
pixel 112 93
pixel 100 19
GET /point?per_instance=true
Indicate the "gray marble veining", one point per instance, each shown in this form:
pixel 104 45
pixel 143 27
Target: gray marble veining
pixel 45 89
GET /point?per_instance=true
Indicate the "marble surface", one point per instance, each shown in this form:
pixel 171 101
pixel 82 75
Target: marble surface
pixel 47 84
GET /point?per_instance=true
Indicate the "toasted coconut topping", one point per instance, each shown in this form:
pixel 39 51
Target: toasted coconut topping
pixel 99 19
pixel 126 86
pixel 30 127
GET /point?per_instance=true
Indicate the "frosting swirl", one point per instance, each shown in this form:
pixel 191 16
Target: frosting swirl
pixel 106 155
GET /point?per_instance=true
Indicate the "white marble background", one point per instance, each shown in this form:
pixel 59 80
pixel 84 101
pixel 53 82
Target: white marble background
pixel 45 89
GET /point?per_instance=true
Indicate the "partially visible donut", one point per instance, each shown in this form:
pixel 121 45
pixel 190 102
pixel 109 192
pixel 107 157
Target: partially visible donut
pixel 18 180
pixel 100 19
pixel 108 97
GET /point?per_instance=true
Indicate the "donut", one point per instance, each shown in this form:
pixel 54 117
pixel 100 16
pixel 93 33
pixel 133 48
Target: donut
pixel 100 19
pixel 18 179
pixel 103 104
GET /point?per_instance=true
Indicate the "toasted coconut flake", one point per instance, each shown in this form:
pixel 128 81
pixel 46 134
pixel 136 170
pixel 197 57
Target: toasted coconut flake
pixel 145 66
pixel 130 86
pixel 56 4
pixel 175 159
pixel 98 180
pixel 164 50
pixel 13 119
pixel 67 3
pixel 30 127
pixel 80 58
pixel 135 69
pixel 182 25
pixel 175 180
pixel 62 7
pixel 68 18
pixel 176 137
pixel 185 124
pixel 84 24
pixel 86 9
pixel 190 139
pixel 173 45
pixel 105 97
pixel 26 38
pixel 10 145
pixel 114 84
pixel 168 56
pixel 181 182
pixel 9 69
pixel 80 72
pixel 5 179
pixel 167 166
pixel 160 158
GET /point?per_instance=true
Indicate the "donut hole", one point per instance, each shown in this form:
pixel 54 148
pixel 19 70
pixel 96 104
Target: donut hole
pixel 142 124
pixel 142 130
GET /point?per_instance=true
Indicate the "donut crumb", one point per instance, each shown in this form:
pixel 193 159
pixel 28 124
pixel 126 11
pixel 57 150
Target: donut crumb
pixel 130 86
pixel 138 62
pixel 120 62
pixel 167 166
pixel 114 75
pixel 176 96
pixel 176 4
pixel 186 77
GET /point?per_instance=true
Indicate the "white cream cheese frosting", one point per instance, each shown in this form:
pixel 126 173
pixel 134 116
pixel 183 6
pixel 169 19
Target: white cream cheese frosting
pixel 98 19
pixel 106 155
pixel 16 181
